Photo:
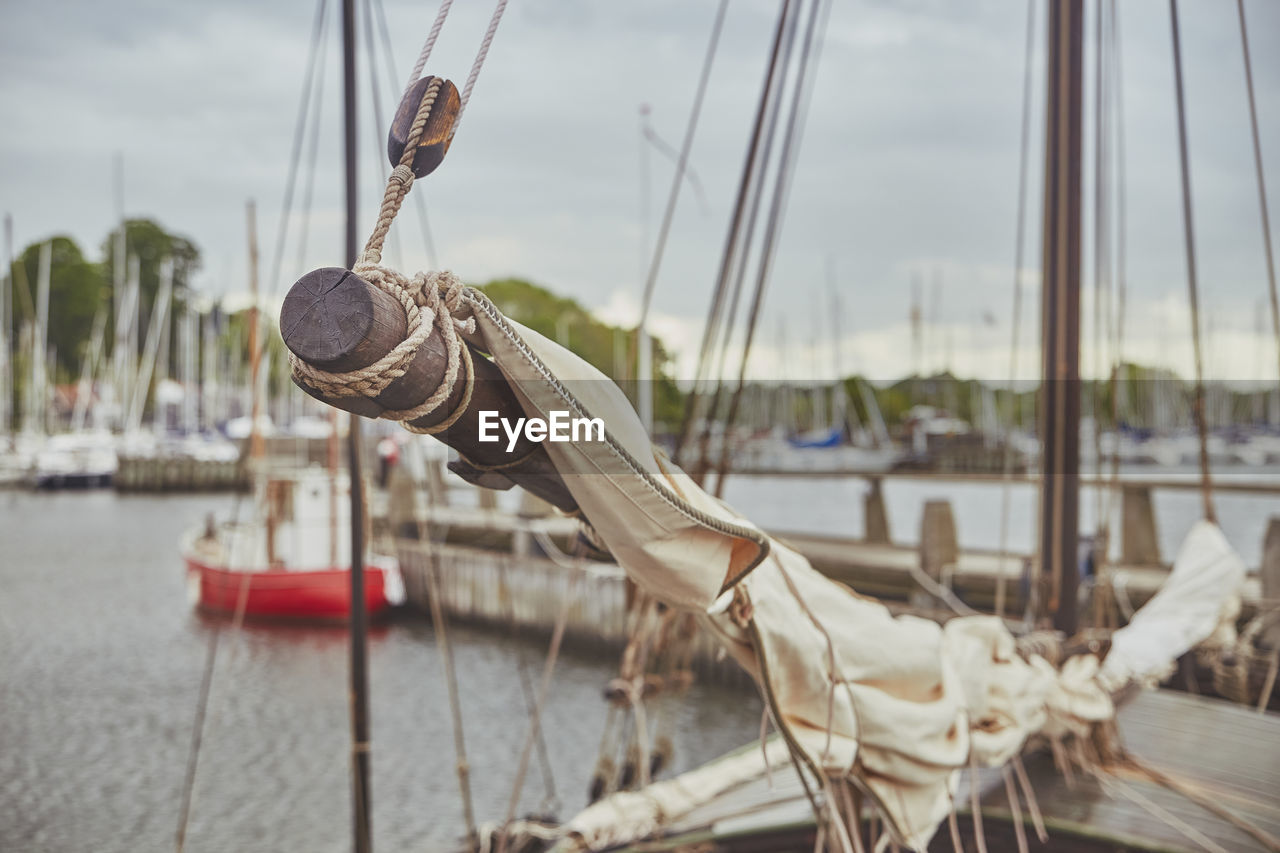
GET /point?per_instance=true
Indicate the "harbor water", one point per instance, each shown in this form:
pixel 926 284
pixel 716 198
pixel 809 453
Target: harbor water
pixel 101 658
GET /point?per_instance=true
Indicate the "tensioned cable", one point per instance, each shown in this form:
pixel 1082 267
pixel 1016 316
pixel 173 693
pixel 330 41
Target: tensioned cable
pixel 425 53
pixel 1206 485
pixel 376 103
pixel 479 63
pixel 753 160
pixel 428 241
pixel 696 111
pixel 809 55
pixel 1018 256
pixel 294 158
pixel 313 146
pixel 1262 187
pixel 739 263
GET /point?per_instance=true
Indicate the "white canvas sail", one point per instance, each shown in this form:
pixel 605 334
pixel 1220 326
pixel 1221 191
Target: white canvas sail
pixel 893 706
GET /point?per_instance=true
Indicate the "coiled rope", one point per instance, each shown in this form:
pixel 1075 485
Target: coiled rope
pixel 429 299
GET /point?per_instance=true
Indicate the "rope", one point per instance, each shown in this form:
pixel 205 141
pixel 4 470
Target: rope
pixel 197 733
pixel 1262 187
pixel 429 301
pixel 451 678
pixel 479 62
pixel 535 721
pixel 430 43
pixel 1018 250
pixel 1206 493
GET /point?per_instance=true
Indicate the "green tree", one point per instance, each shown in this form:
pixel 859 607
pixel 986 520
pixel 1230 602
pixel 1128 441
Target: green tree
pixel 611 349
pixel 76 291
pixel 150 243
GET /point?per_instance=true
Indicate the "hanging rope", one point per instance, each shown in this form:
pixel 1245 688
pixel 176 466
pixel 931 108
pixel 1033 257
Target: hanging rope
pixel 197 729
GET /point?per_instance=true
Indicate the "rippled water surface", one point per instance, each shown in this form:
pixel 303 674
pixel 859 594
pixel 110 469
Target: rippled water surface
pixel 100 665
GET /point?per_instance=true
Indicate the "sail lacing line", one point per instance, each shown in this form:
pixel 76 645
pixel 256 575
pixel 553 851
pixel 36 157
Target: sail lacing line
pixel 429 300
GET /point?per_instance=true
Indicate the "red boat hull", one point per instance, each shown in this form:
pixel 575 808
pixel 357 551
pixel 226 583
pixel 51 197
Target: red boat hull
pixel 323 594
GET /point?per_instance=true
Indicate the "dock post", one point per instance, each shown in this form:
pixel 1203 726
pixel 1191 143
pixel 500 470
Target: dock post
pixel 1269 575
pixel 939 546
pixel 875 518
pixel 1138 543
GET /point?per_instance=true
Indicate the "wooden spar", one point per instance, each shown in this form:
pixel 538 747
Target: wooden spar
pixel 337 321
pixel 361 797
pixel 1060 317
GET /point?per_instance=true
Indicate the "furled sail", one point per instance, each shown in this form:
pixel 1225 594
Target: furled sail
pixel 892 706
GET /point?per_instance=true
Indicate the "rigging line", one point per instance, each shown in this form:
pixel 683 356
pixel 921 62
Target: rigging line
pixel 1101 246
pixel 419 199
pixel 282 231
pixel 478 64
pixel 552 654
pixel 737 264
pixel 665 228
pixel 522 669
pixel 1262 187
pixel 376 103
pixel 198 727
pixel 715 313
pixel 1018 258
pixel 451 682
pixel 665 148
pixel 811 50
pixel 425 53
pixel 1206 485
pixel 313 145
pixel 1117 105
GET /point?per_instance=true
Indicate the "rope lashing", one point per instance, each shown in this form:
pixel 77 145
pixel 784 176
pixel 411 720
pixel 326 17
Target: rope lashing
pixel 430 301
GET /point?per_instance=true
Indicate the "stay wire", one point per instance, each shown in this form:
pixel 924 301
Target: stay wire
pixel 1262 187
pixel 295 155
pixel 696 111
pixel 313 146
pixel 376 104
pixel 721 321
pixel 1206 486
pixel 811 50
pixel 1019 251
pixel 428 241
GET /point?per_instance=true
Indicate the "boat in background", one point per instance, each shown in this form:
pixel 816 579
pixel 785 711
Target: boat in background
pixel 75 460
pixel 291 560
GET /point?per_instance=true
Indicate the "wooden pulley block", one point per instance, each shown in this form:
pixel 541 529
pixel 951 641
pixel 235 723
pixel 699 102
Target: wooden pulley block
pixel 435 135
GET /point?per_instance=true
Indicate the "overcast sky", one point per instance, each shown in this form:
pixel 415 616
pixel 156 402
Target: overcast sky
pixel 909 163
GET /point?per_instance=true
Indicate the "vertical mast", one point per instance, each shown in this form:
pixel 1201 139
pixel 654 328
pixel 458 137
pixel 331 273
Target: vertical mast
pixel 40 346
pixel 1060 316
pixel 6 356
pixel 359 675
pixel 256 448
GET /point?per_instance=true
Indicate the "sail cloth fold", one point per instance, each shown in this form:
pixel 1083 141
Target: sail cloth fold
pixel 894 706
pixel 1201 593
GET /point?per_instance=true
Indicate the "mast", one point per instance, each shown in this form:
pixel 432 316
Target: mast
pixel 6 349
pixel 1060 316
pixel 40 345
pixel 256 448
pixel 359 674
